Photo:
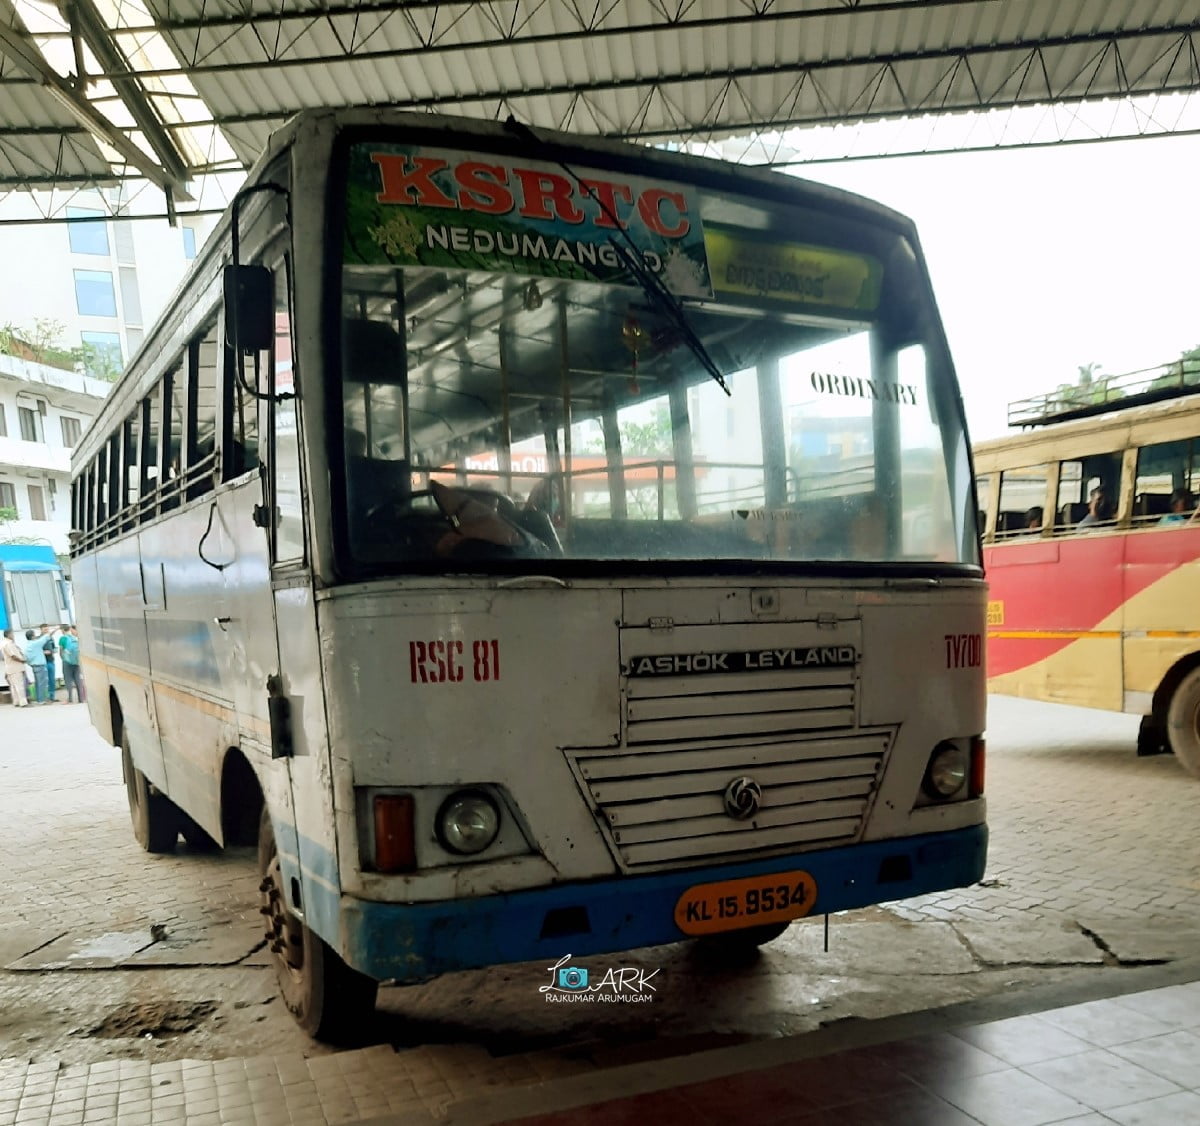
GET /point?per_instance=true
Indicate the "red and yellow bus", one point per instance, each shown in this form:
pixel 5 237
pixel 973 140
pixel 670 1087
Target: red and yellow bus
pixel 1092 549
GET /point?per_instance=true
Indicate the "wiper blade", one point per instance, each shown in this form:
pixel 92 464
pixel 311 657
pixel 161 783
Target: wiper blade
pixel 650 283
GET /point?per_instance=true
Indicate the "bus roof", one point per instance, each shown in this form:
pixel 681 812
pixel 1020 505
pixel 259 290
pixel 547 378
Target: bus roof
pixel 1136 426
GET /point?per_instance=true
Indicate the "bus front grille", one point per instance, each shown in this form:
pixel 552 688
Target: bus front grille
pixel 667 804
pixel 733 706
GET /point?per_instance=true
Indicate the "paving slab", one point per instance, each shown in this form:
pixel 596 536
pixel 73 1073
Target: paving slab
pixel 1145 940
pixel 1034 942
pixel 879 943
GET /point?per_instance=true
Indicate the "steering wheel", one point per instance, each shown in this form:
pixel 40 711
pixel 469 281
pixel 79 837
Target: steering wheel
pixel 401 507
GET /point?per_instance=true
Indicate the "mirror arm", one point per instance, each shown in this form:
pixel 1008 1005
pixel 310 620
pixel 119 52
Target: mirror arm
pixel 233 305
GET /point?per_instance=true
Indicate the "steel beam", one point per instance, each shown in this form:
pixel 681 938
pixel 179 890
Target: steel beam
pixel 20 48
pixel 86 20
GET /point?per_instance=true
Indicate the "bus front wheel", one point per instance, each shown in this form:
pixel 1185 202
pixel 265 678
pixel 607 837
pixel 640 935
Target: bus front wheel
pixel 329 1000
pixel 1183 722
pixel 155 817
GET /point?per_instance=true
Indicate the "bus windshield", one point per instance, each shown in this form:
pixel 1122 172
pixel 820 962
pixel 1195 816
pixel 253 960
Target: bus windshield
pixel 512 390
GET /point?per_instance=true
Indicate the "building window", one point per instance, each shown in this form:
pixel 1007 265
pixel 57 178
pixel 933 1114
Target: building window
pixel 37 503
pixel 70 431
pixel 89 237
pixel 102 357
pixel 31 428
pixel 189 242
pixel 8 496
pixel 94 296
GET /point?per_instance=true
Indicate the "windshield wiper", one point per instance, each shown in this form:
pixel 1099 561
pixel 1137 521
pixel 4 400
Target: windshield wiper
pixel 650 283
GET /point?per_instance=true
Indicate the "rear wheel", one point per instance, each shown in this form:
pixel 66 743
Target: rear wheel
pixel 155 817
pixel 1183 722
pixel 329 1000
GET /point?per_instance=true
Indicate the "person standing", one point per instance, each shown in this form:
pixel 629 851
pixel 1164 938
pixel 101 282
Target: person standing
pixel 68 647
pixel 14 669
pixel 35 657
pixel 50 647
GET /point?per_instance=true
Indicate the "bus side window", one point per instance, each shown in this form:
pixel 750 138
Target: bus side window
pixel 1165 485
pixel 1077 481
pixel 89 498
pixel 101 487
pixel 983 494
pixel 202 410
pixel 1022 493
pixel 151 456
pixel 132 492
pixel 289 492
pixel 174 388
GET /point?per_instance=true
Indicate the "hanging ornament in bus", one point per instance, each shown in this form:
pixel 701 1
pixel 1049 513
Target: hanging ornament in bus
pixel 635 338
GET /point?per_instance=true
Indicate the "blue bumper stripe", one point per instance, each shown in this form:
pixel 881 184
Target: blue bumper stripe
pixel 416 941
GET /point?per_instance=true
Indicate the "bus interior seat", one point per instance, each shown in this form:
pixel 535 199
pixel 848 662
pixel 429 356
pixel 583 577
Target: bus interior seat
pixel 374 481
pixel 372 352
pixel 1070 514
pixel 1010 521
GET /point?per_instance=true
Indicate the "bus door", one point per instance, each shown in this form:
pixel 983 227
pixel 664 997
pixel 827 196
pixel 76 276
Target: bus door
pixel 279 699
pixel 303 820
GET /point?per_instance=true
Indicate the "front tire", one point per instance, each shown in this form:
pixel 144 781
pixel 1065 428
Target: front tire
pixel 1183 722
pixel 155 817
pixel 329 1000
pixel 1152 738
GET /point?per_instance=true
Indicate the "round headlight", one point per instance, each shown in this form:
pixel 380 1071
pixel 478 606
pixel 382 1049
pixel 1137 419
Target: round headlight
pixel 947 770
pixel 468 822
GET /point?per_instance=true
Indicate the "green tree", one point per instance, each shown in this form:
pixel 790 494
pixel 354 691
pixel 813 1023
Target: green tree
pixel 99 361
pixel 649 439
pixel 1090 388
pixel 1183 372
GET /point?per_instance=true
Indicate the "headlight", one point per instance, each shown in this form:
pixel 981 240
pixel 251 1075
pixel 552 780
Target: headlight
pixel 947 770
pixel 468 822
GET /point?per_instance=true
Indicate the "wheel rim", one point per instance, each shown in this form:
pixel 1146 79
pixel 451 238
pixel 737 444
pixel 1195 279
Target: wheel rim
pixel 285 934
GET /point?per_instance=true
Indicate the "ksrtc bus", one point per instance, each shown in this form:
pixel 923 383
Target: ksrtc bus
pixel 538 546
pixel 1092 548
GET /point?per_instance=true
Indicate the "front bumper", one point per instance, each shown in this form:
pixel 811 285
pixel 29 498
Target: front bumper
pixel 416 941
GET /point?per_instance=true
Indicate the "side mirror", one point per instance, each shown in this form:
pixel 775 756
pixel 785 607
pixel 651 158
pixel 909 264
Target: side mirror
pixel 249 308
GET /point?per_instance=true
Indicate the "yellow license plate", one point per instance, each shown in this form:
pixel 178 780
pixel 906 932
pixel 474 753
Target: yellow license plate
pixel 750 902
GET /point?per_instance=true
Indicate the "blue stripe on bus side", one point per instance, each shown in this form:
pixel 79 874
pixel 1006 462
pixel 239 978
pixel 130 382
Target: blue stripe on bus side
pixel 300 857
pixel 416 941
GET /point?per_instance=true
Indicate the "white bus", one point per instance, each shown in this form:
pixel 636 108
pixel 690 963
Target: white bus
pixel 538 546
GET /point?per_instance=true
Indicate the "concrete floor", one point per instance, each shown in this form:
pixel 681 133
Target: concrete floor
pixel 1094 873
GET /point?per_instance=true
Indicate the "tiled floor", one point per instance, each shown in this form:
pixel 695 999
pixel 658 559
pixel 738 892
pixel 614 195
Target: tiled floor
pixel 1133 1059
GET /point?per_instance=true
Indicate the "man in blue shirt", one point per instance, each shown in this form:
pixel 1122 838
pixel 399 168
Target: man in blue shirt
pixel 35 655
pixel 1181 508
pixel 68 646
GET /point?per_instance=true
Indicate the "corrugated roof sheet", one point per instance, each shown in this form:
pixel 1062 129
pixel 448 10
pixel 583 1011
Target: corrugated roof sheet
pixel 656 70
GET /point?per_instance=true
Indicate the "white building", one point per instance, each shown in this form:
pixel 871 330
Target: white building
pixel 43 411
pixel 103 280
pixel 96 284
